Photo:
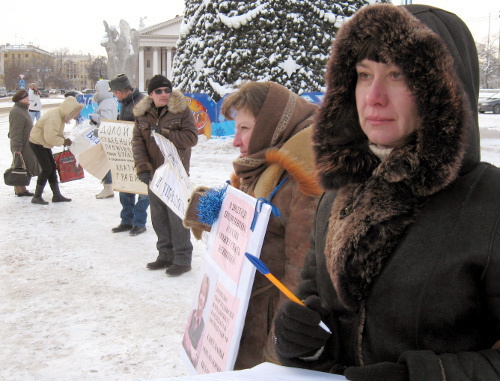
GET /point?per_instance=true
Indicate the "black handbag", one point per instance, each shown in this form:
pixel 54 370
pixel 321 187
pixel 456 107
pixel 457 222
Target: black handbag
pixel 17 174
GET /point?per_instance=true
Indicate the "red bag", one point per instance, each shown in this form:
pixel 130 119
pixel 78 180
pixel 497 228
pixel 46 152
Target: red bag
pixel 67 167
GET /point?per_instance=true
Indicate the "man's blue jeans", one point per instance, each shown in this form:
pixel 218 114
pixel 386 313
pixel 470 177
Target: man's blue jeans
pixel 35 115
pixel 134 213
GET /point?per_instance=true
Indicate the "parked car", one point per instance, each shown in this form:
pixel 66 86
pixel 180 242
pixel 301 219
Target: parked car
pixel 490 103
pixel 43 93
pixel 88 91
pixel 52 91
pixel 72 93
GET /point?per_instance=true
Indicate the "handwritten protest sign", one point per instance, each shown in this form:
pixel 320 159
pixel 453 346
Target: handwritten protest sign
pixel 171 182
pixel 116 140
pixel 230 277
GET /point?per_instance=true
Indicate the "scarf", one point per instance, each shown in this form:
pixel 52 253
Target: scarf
pixel 283 114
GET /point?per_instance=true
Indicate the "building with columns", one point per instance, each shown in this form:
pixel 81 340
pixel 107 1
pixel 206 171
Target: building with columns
pixel 157 46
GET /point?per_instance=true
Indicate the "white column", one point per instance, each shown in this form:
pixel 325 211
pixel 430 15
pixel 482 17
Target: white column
pixel 141 69
pixel 169 63
pixel 155 61
pixel 164 62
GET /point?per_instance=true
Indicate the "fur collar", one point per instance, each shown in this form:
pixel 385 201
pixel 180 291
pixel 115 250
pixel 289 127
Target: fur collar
pixel 176 104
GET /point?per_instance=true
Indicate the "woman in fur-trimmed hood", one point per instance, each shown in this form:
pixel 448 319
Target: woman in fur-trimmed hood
pixel 405 260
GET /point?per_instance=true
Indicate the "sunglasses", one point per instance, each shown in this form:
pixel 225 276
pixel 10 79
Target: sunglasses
pixel 166 91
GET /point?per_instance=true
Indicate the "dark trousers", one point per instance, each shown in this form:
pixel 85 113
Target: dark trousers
pixel 46 160
pixel 174 240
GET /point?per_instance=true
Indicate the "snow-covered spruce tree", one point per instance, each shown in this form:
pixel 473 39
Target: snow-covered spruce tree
pixel 224 42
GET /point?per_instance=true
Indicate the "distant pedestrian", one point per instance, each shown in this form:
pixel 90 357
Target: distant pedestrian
pixel 20 126
pixel 35 106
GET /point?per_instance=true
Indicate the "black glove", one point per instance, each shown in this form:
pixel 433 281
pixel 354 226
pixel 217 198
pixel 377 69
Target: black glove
pixel 67 142
pixel 145 177
pixel 297 329
pixel 92 122
pixel 378 372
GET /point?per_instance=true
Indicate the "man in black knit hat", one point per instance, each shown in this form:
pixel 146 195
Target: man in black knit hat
pixel 166 112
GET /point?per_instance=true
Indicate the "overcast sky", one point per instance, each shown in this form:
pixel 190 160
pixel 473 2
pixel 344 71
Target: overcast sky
pixel 78 25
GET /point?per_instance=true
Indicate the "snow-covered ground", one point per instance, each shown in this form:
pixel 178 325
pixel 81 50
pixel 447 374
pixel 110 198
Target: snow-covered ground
pixel 77 302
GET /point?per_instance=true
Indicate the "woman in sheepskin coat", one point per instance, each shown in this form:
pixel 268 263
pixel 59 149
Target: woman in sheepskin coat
pixel 278 149
pixel 47 133
pixel 404 265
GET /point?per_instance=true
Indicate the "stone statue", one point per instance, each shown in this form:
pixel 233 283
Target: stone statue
pixel 123 50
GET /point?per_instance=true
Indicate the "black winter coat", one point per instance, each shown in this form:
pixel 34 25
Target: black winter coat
pixel 405 253
pixel 128 104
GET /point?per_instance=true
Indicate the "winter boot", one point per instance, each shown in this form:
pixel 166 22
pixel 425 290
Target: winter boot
pixel 56 193
pixel 106 192
pixel 37 198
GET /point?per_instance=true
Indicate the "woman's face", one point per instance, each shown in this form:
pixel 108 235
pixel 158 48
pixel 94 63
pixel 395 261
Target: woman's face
pixel 386 107
pixel 25 100
pixel 245 123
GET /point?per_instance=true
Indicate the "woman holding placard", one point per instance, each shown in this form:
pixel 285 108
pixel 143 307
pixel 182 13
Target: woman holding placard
pixel 273 134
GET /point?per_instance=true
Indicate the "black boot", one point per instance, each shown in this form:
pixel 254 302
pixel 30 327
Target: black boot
pixel 56 193
pixel 37 198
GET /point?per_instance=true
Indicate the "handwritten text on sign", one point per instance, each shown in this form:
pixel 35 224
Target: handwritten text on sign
pixel 171 182
pixel 116 140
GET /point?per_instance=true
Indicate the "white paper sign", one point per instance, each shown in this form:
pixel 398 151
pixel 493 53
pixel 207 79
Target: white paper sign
pixel 220 308
pixel 171 182
pixel 116 140
pixel 82 138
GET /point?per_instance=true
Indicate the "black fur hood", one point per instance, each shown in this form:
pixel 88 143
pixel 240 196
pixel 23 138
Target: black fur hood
pixel 377 202
pixel 418 39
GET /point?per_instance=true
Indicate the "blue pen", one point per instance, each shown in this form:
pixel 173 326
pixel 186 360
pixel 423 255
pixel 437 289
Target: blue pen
pixel 265 271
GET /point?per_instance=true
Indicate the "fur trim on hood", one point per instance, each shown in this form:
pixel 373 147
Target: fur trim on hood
pixel 377 201
pixel 432 157
pixel 176 104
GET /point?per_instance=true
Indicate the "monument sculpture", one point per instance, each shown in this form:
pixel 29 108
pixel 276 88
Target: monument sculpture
pixel 122 48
